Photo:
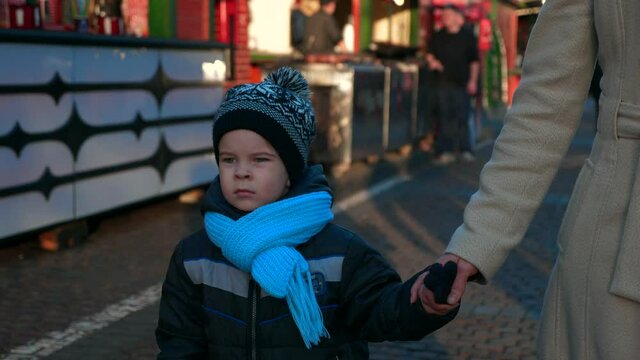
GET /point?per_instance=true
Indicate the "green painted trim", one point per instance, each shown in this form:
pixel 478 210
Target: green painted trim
pixel 366 27
pixel 414 36
pixel 173 21
pixel 262 57
pixel 162 19
pixel 493 14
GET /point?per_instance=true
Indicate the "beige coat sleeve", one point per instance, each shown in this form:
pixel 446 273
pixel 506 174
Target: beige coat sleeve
pixel 547 108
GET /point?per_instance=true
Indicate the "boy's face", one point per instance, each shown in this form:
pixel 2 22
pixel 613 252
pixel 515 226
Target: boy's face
pixel 252 173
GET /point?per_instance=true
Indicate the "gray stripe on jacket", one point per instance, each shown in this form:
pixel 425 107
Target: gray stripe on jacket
pixel 223 276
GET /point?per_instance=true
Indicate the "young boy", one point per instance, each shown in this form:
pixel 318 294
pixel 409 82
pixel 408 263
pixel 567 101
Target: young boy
pixel 270 276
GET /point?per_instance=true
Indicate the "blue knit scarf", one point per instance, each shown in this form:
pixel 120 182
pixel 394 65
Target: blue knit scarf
pixel 262 242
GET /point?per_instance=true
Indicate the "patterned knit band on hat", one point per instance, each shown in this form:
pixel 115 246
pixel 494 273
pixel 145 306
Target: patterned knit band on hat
pixel 278 109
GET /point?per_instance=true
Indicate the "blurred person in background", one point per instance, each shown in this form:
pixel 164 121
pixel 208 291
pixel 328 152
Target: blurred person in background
pixel 322 34
pixel 300 12
pixel 453 55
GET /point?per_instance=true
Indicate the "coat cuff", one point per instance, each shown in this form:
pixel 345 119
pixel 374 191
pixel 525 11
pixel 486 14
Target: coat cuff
pixel 485 254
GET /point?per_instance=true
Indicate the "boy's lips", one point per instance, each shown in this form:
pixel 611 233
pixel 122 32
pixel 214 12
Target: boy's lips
pixel 244 192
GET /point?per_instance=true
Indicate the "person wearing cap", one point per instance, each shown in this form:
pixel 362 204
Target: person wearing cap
pixel 454 59
pixel 322 34
pixel 270 276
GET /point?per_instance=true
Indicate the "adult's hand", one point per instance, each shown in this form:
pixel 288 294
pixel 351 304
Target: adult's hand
pixel 433 63
pixel 465 271
pixel 436 65
pixel 472 88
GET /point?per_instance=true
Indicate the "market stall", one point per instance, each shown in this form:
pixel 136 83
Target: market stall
pixel 91 122
pixel 367 97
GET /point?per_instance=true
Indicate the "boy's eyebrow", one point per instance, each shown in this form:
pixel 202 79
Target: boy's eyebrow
pixel 263 153
pixel 257 153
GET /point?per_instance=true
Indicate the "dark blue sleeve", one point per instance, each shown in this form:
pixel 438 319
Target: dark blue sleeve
pixel 377 302
pixel 180 332
pixel 298 21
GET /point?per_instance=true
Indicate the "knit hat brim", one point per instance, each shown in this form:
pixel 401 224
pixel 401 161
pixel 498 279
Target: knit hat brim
pixel 266 127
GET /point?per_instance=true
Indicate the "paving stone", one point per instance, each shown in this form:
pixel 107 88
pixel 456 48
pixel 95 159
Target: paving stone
pixel 486 310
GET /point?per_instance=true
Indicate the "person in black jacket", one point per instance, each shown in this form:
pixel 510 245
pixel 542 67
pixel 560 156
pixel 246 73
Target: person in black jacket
pixel 454 59
pixel 270 276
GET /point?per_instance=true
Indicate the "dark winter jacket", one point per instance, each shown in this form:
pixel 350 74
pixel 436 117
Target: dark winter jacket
pixel 211 309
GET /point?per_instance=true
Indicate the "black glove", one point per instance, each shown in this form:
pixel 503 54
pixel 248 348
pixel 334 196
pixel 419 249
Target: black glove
pixel 440 279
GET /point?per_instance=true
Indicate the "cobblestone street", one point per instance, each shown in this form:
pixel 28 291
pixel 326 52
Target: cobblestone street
pixel 61 305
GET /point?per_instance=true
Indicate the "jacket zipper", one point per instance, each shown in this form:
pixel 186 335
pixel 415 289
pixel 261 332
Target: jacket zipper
pixel 254 292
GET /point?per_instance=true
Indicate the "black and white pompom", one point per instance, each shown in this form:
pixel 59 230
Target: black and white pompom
pixel 291 79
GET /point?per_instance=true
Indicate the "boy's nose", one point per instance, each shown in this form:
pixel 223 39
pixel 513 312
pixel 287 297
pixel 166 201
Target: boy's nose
pixel 242 171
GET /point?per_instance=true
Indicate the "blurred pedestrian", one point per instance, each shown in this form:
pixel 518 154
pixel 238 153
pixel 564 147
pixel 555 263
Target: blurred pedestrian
pixel 431 121
pixel 322 34
pixel 592 305
pixel 453 54
pixel 270 275
pixel 298 22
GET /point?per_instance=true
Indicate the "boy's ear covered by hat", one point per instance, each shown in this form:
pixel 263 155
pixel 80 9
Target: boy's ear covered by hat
pixel 279 109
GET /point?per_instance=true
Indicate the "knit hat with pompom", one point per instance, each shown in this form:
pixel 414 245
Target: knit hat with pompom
pixel 278 109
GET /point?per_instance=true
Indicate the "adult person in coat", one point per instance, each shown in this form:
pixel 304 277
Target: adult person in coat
pixel 592 303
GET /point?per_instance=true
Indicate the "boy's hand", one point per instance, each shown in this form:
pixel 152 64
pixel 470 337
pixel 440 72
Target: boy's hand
pixel 439 280
pixel 465 270
pixel 434 285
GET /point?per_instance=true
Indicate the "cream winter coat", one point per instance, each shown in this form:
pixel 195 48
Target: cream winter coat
pixel 592 305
